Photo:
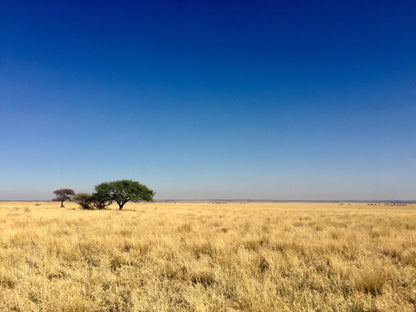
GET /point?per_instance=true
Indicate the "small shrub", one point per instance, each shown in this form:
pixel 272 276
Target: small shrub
pixel 84 200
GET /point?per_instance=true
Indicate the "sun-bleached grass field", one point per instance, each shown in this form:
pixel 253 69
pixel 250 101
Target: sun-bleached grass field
pixel 208 257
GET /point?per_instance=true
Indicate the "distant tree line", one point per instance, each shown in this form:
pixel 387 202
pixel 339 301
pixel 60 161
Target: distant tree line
pixel 106 193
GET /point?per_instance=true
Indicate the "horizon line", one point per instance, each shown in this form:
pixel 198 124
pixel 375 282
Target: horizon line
pixel 411 201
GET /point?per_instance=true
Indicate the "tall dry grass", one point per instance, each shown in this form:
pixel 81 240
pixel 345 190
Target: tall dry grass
pixel 208 257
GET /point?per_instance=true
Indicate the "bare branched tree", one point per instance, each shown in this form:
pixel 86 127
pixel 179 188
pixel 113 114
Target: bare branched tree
pixel 63 195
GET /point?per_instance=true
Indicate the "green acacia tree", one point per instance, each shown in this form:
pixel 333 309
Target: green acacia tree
pixel 121 192
pixel 101 198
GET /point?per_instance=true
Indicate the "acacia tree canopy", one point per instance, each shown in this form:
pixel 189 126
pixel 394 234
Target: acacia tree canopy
pixel 63 195
pixel 122 191
pixel 102 196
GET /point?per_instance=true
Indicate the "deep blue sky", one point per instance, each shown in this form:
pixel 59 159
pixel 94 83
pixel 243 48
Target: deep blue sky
pixel 209 99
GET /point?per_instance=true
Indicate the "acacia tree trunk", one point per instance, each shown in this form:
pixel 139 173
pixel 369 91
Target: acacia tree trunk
pixel 62 204
pixel 121 205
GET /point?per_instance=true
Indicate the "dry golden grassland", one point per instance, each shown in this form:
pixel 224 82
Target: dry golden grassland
pixel 208 257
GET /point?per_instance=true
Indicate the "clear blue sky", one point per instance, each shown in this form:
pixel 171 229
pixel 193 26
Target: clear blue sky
pixel 209 99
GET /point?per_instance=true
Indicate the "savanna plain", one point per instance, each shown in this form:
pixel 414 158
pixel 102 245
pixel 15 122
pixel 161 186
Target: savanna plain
pixel 208 257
